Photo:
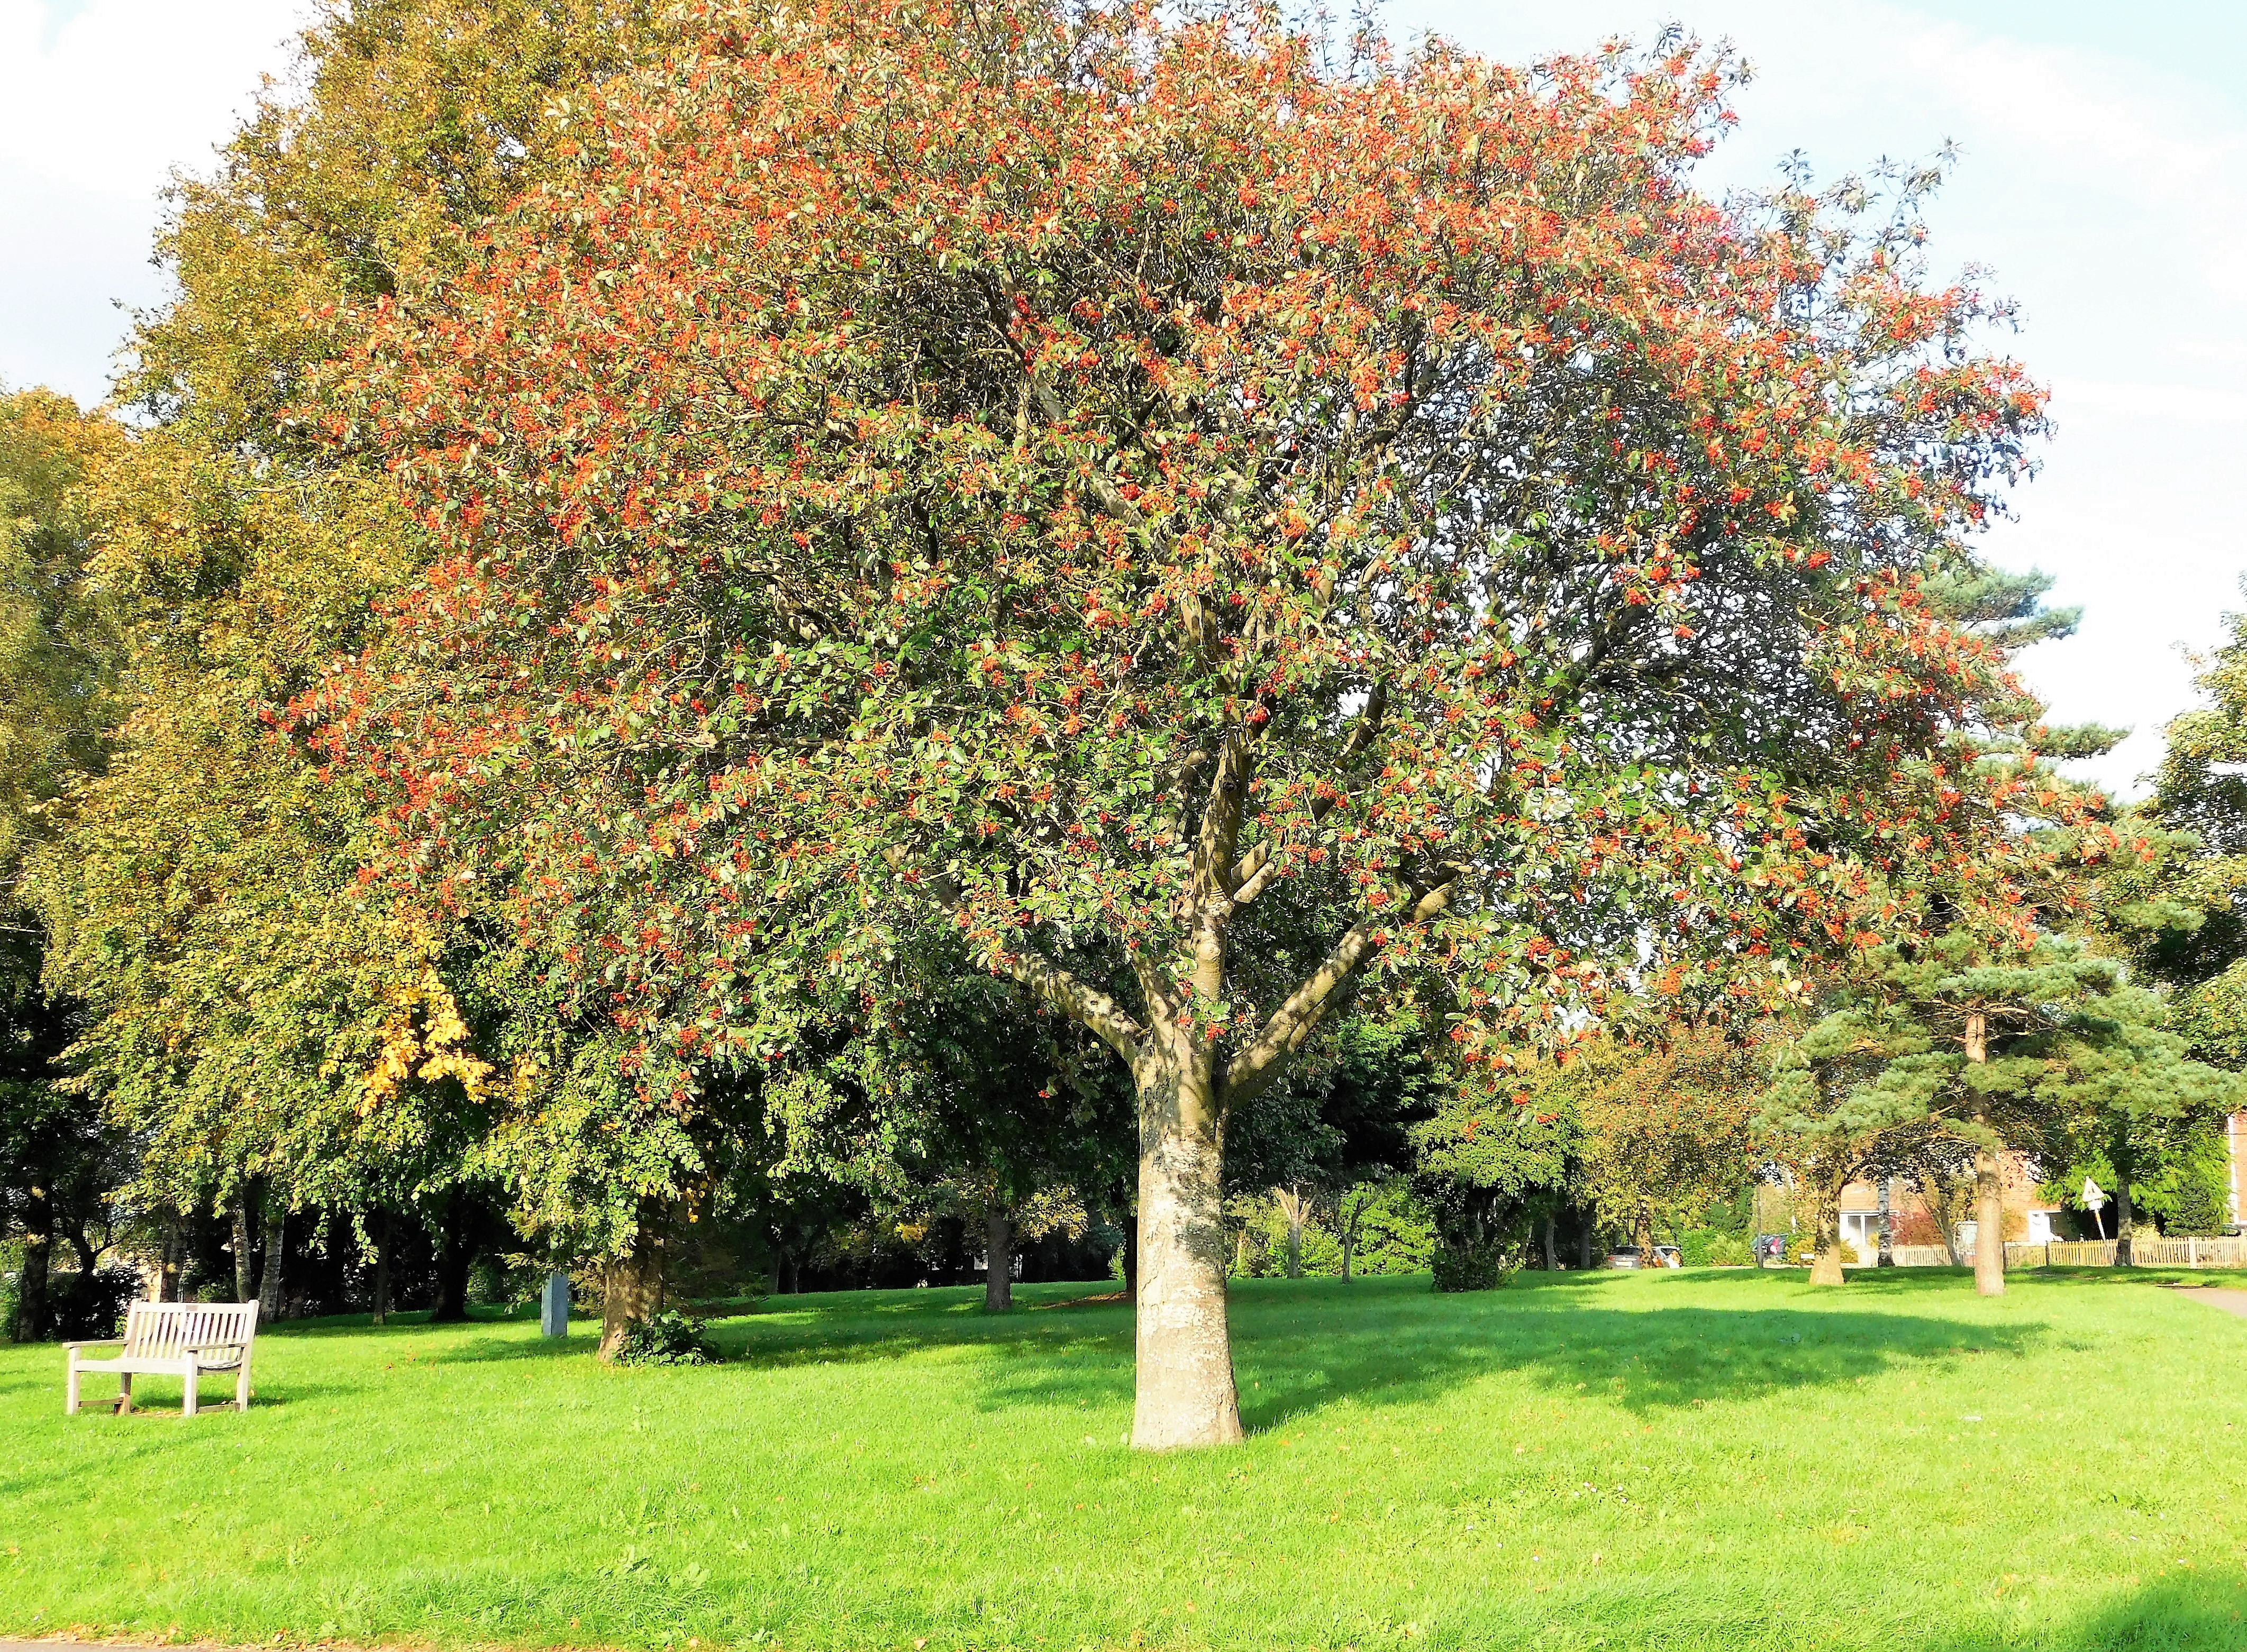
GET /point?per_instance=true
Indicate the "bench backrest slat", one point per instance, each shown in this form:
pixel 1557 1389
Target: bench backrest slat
pixel 164 1330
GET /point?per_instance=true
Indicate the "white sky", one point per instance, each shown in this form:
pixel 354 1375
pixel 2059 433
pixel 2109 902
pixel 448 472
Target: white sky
pixel 2103 179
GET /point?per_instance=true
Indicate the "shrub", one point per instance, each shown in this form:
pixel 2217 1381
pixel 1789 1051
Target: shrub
pixel 668 1339
pixel 1479 1265
pixel 1707 1247
pixel 88 1307
pixel 1397 1232
pixel 2191 1195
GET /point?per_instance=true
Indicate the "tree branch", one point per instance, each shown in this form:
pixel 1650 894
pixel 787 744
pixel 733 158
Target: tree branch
pixel 1086 1005
pixel 1257 868
pixel 1251 1072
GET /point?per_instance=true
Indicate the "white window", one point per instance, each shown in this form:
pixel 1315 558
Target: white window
pixel 1861 1229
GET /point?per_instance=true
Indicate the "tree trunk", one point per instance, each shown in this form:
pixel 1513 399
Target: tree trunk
pixel 33 1310
pixel 1552 1259
pixel 632 1290
pixel 1887 1226
pixel 1584 1246
pixel 1295 1208
pixel 1826 1224
pixel 245 1271
pixel 2125 1223
pixel 998 1261
pixel 269 1288
pixel 385 1239
pixel 456 1255
pixel 1642 1237
pixel 1988 1190
pixel 167 1267
pixel 1186 1389
pixel 1989 1226
pixel 82 1249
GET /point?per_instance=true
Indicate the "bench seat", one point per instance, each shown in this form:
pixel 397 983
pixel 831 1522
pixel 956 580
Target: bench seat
pixel 172 1339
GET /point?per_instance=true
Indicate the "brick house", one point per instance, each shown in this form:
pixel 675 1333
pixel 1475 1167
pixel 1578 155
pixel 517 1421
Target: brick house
pixel 2234 1156
pixel 1910 1222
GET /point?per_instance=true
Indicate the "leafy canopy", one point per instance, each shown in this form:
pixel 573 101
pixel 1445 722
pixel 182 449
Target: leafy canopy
pixel 1206 524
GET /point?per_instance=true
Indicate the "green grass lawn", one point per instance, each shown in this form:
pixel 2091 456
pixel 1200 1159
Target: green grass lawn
pixel 1699 1460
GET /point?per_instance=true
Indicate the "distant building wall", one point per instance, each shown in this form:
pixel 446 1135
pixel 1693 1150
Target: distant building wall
pixel 2234 1142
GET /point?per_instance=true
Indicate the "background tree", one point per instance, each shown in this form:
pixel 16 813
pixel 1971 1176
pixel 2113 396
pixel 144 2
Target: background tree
pixel 1830 1118
pixel 264 1023
pixel 60 1159
pixel 2180 912
pixel 1667 1128
pixel 1486 1165
pixel 1422 537
pixel 1998 1048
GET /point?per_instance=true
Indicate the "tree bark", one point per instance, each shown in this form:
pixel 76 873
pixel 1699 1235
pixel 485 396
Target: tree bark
pixel 456 1255
pixel 2125 1223
pixel 631 1289
pixel 245 1272
pixel 82 1250
pixel 1887 1226
pixel 998 1261
pixel 167 1267
pixel 1186 1395
pixel 1989 1226
pixel 1826 1224
pixel 1989 1190
pixel 1295 1208
pixel 385 1238
pixel 269 1287
pixel 33 1309
pixel 1551 1259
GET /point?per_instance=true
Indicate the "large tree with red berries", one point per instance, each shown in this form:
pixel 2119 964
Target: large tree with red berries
pixel 1225 522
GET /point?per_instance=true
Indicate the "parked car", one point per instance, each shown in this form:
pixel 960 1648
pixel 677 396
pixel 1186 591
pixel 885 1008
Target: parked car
pixel 1664 1256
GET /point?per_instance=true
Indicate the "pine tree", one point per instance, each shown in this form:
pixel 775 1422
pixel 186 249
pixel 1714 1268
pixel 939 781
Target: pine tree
pixel 1992 1047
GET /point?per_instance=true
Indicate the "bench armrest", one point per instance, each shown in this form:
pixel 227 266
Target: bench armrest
pixel 105 1342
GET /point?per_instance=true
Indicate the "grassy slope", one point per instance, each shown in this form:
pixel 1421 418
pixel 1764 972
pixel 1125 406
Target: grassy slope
pixel 1702 1460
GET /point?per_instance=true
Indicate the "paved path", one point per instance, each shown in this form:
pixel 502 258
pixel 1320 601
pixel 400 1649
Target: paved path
pixel 2232 1301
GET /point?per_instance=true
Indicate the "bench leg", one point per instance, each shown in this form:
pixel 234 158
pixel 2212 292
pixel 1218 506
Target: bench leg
pixel 241 1386
pixel 187 1393
pixel 69 1391
pixel 124 1392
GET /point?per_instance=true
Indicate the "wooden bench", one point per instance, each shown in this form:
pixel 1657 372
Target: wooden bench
pixel 175 1338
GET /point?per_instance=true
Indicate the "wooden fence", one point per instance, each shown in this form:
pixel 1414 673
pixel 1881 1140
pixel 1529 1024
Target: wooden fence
pixel 2146 1252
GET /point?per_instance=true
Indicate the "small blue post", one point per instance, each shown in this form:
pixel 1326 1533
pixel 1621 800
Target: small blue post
pixel 554 1305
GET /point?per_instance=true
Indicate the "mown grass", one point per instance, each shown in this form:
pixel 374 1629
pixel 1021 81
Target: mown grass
pixel 1701 1460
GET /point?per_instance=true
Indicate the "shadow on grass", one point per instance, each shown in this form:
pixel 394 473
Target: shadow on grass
pixel 1302 1344
pixel 1646 1359
pixel 2198 1614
